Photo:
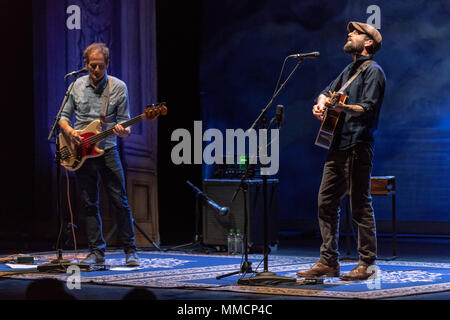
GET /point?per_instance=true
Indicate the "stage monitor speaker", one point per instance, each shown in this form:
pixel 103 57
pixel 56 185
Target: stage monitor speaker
pixel 221 191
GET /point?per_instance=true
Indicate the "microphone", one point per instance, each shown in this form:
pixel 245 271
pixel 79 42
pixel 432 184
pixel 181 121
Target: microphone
pixel 279 115
pixel 311 55
pixel 221 211
pixel 73 73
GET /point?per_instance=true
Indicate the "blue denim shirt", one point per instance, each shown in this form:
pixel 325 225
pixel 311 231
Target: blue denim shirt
pixel 85 101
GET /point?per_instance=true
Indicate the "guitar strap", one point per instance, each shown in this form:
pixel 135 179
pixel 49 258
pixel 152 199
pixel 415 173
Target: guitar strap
pixel 360 69
pixel 105 101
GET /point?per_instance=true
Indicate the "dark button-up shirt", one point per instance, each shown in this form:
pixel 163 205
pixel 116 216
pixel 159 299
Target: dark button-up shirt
pixel 85 101
pixel 367 91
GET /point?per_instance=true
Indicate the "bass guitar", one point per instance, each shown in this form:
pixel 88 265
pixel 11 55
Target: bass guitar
pixel 73 156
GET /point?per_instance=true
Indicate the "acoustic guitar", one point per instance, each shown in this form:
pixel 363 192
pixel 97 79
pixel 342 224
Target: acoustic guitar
pixel 73 156
pixel 329 123
pixel 331 116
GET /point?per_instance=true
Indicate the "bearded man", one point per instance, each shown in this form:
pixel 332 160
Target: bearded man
pixel 349 161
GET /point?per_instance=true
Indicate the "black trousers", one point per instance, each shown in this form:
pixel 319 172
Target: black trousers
pixel 347 170
pixel 109 167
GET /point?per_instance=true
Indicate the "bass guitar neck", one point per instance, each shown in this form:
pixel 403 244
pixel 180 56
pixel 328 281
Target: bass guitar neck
pixel 73 156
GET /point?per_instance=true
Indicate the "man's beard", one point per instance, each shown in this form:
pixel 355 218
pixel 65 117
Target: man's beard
pixel 351 47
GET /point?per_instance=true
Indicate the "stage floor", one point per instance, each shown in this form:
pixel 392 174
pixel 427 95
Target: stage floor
pixel 182 275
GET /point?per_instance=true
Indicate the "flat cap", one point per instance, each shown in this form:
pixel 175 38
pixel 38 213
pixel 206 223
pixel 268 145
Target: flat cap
pixel 367 29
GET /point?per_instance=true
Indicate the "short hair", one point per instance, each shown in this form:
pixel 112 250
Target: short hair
pixel 96 46
pixel 371 49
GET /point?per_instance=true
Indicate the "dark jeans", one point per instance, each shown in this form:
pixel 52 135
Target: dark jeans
pixel 347 170
pixel 109 167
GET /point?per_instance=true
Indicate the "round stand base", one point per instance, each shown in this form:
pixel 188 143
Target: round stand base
pixel 60 266
pixel 266 278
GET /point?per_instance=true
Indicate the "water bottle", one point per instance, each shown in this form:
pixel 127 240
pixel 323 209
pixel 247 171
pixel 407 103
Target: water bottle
pixel 239 242
pixel 231 242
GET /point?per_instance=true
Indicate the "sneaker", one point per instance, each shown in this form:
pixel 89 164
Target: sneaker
pixel 132 259
pixel 93 258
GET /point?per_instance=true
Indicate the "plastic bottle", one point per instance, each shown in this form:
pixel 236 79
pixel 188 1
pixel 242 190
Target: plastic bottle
pixel 239 242
pixel 231 242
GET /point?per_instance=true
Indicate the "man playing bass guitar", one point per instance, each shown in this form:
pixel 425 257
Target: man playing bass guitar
pixel 86 101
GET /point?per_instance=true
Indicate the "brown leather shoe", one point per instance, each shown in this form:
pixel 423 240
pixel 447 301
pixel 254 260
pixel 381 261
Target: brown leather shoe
pixel 359 272
pixel 318 270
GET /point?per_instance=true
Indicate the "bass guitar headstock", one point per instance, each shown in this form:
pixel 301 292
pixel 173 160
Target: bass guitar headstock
pixel 154 110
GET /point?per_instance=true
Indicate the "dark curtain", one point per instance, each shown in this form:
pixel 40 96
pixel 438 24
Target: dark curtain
pixel 243 48
pixel 128 28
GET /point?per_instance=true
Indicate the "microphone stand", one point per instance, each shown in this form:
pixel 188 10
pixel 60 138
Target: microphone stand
pixel 266 277
pixel 59 264
pixel 198 237
pixel 246 266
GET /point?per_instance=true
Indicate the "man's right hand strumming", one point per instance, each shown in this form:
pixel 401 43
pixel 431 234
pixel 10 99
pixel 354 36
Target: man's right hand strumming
pixel 74 136
pixel 71 133
pixel 319 108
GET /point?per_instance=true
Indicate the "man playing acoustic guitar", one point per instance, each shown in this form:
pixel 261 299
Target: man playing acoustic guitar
pixel 91 96
pixel 349 162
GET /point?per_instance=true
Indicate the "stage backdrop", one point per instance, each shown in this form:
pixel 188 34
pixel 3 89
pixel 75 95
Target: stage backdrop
pixel 243 46
pixel 62 30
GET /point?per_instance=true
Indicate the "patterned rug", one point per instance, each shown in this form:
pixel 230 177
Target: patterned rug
pixel 199 271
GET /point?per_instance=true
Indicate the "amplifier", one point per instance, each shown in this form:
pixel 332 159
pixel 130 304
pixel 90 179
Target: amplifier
pixel 221 191
pixel 236 167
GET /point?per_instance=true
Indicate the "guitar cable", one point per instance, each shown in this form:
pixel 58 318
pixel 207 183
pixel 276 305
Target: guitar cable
pixel 71 216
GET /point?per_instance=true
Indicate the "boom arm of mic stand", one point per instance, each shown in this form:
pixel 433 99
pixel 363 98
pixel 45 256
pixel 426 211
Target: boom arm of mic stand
pixel 199 192
pixel 275 95
pixel 261 115
pixel 58 115
pixel 194 187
